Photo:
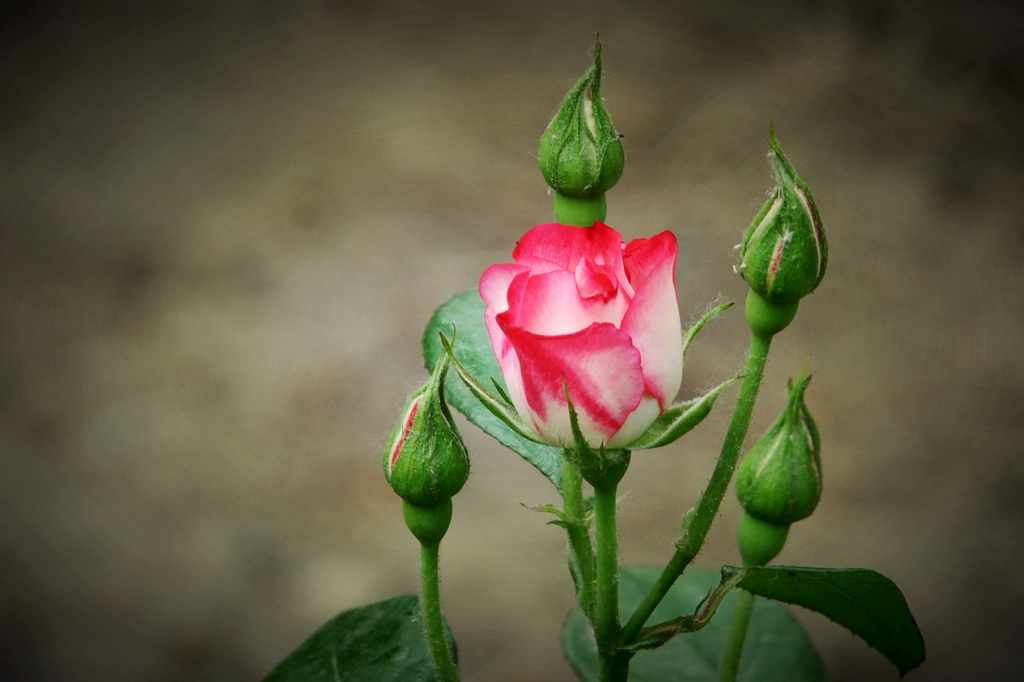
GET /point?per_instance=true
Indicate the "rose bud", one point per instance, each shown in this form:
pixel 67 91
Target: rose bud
pixel 784 251
pixel 581 313
pixel 426 461
pixel 581 154
pixel 779 481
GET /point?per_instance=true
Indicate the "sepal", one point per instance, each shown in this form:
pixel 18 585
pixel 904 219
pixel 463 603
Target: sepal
pixel 600 467
pixel 680 419
pixel 499 405
pixel 561 518
pixel 694 329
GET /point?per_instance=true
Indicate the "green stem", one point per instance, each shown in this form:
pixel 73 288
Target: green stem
pixel 581 552
pixel 698 520
pixel 580 212
pixel 615 667
pixel 614 664
pixel 697 525
pixel 737 636
pixel 606 623
pixel 433 621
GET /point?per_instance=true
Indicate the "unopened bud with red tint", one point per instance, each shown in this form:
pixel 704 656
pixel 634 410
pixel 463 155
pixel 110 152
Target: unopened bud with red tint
pixel 784 251
pixel 426 461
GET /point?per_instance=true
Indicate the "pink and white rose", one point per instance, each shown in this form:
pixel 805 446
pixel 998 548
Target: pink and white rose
pixel 579 309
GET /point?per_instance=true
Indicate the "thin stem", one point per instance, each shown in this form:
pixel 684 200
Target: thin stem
pixel 698 520
pixel 581 552
pixel 697 525
pixel 614 665
pixel 580 212
pixel 673 569
pixel 737 636
pixel 433 621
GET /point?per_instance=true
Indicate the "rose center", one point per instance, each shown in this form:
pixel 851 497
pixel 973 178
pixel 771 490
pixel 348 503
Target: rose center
pixel 592 282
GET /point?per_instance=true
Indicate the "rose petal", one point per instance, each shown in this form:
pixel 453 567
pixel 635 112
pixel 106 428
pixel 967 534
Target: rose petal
pixel 494 284
pixel 652 320
pixel 495 287
pixel 643 416
pixel 601 369
pixel 640 256
pixel 551 305
pixel 581 310
pixel 567 245
pixel 592 283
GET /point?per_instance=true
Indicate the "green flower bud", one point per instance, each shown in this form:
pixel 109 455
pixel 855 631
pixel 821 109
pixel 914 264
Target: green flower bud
pixel 581 154
pixel 784 251
pixel 426 461
pixel 780 479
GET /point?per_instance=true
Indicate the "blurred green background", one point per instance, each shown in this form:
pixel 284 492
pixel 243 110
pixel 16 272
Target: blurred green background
pixel 223 227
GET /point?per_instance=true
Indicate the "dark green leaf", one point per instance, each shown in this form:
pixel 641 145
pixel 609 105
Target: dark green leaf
pixel 863 601
pixel 382 642
pixel 462 318
pixel 777 649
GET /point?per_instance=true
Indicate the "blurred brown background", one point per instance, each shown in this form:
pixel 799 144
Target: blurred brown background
pixel 223 227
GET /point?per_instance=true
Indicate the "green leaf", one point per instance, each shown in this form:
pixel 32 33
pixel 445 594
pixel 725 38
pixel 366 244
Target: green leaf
pixel 462 318
pixel 679 419
pixel 777 648
pixel 382 642
pixel 863 601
